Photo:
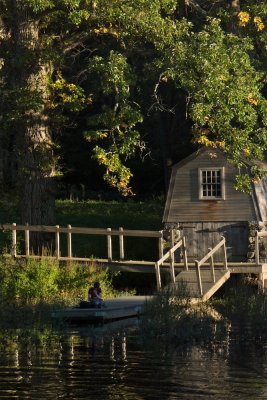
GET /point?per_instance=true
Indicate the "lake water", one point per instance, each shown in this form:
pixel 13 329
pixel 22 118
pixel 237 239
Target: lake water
pixel 113 363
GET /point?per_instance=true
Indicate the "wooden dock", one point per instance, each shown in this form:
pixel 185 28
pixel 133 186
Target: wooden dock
pixel 201 284
pixel 118 308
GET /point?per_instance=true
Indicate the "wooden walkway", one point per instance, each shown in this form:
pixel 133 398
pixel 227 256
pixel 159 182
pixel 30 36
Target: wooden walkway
pixel 203 277
pixel 118 308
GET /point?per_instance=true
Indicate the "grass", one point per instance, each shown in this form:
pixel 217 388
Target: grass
pixel 112 214
pixel 100 214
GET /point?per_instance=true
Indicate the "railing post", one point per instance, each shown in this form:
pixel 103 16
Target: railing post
pixel 212 272
pixel 225 253
pixel 121 243
pixel 185 255
pixel 161 245
pixel 109 242
pixel 257 250
pixel 199 278
pixel 172 266
pixel 27 241
pixel 158 278
pixel 57 242
pixel 14 241
pixel 69 242
pixel 172 238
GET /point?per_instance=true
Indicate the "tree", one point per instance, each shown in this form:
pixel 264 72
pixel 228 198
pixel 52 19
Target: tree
pixel 111 68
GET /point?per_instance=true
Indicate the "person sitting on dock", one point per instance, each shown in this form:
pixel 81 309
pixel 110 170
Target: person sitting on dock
pixel 95 296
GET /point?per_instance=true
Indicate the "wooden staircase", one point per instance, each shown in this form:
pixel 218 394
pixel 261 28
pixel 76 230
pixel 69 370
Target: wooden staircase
pixel 201 282
pixel 189 280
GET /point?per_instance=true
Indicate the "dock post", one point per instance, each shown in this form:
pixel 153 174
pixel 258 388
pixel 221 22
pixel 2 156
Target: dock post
pixel 172 266
pixel 109 242
pixel 14 241
pixel 161 245
pixel 57 242
pixel 27 241
pixel 172 238
pixel 257 250
pixel 158 278
pixel 121 242
pixel 69 242
pixel 199 278
pixel 185 255
pixel 225 254
pixel 212 272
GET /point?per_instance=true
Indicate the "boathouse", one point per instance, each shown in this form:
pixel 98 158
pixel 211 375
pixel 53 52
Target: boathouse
pixel 202 204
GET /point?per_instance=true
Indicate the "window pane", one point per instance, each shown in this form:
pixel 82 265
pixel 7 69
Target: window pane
pixel 211 183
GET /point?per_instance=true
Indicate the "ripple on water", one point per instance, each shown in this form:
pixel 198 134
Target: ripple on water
pixel 119 367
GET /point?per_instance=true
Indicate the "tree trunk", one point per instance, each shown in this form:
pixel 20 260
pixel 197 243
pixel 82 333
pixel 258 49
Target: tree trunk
pixel 31 141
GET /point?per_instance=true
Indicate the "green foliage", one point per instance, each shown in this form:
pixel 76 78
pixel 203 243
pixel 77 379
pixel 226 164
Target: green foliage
pixel 116 123
pixel 69 96
pixel 226 104
pixel 171 317
pixel 27 281
pixel 113 67
pixel 245 305
pixel 37 281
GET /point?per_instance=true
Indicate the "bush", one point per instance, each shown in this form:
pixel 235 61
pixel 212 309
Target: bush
pixel 172 316
pixel 32 281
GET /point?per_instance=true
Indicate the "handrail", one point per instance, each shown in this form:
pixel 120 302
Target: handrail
pixel 69 230
pixel 81 230
pixel 170 255
pixel 208 256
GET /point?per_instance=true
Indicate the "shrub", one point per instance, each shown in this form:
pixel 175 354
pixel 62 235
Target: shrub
pixel 172 316
pixel 33 281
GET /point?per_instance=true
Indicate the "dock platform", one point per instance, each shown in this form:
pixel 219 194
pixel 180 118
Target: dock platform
pixel 118 308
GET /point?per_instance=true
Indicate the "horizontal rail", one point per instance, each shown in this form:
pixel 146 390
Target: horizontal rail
pixel 84 231
pixel 170 255
pixel 170 252
pixel 261 234
pixel 207 257
pixel 211 252
pixel 69 230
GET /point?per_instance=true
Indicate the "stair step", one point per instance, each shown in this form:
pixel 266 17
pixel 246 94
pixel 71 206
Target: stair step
pixel 189 279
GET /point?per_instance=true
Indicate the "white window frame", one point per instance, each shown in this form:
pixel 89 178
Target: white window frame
pixel 201 184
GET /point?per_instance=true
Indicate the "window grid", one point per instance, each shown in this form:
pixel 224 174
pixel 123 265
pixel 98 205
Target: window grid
pixel 211 183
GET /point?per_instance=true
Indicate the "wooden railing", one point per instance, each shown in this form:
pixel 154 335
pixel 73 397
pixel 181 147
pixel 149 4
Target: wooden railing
pixel 209 257
pixel 170 256
pixel 69 231
pixel 257 243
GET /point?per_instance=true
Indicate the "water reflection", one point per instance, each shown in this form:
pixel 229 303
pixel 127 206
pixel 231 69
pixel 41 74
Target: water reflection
pixel 112 363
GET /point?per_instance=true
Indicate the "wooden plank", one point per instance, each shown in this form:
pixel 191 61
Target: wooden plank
pixel 14 240
pixel 211 252
pixel 170 252
pixel 27 242
pixel 69 240
pixel 216 286
pixel 121 244
pixel 57 242
pixel 109 243
pixel 85 231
